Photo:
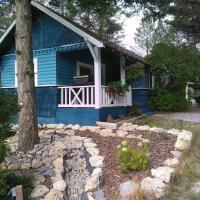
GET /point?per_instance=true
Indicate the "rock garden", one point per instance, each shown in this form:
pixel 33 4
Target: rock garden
pixel 108 161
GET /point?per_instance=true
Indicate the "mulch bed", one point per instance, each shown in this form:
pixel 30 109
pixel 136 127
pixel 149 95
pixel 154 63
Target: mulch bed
pixel 160 146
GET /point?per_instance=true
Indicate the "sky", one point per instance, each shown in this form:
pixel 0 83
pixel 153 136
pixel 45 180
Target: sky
pixel 130 25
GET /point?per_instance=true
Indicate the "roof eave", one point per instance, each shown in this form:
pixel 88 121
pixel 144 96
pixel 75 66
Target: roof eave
pixel 7 32
pixel 77 30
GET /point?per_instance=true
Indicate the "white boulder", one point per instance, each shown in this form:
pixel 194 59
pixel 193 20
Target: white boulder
pixel 153 187
pixel 60 185
pixel 39 191
pixel 96 161
pixel 163 173
pixel 171 162
pixel 128 188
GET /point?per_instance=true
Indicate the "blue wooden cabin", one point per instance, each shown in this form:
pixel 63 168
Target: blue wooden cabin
pixel 72 68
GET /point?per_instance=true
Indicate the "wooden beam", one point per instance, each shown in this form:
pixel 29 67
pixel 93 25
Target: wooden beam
pixel 122 69
pixel 97 78
pixel 19 192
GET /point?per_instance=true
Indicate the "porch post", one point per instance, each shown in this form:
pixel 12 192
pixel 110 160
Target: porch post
pixel 122 69
pixel 97 78
pixel 96 53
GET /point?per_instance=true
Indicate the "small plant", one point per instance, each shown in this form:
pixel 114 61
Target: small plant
pixel 9 180
pixel 135 110
pixel 132 159
pixel 117 87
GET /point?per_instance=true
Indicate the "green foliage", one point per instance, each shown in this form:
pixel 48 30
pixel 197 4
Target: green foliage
pixel 173 66
pixel 8 109
pixel 150 33
pixel 185 16
pixel 133 72
pixel 4 150
pixel 9 180
pixel 4 187
pixel 135 110
pixel 8 106
pixel 131 159
pixel 118 87
pixel 164 100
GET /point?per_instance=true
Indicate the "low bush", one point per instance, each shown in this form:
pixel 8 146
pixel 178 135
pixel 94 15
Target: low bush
pixel 162 99
pixel 4 150
pixel 9 180
pixel 135 110
pixel 132 159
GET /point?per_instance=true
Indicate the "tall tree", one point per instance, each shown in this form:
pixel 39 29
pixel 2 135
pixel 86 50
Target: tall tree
pixel 150 33
pixel 185 15
pixel 28 129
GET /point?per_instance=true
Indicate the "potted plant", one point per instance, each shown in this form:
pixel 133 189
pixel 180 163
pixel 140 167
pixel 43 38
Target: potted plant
pixel 117 87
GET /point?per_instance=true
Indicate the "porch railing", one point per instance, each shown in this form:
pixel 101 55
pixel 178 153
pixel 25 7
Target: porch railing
pixel 110 99
pixel 77 96
pixel 84 96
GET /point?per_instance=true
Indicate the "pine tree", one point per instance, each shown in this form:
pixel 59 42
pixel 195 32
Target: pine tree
pixel 28 129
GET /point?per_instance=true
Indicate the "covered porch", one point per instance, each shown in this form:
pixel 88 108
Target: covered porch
pixel 101 67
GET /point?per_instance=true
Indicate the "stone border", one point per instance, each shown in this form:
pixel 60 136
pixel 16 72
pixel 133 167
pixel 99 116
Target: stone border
pixel 156 185
pixel 55 157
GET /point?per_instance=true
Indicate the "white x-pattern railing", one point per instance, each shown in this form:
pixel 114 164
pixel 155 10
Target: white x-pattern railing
pixel 84 96
pixel 77 96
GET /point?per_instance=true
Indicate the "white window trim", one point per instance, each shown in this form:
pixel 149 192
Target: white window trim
pixel 35 63
pixel 81 64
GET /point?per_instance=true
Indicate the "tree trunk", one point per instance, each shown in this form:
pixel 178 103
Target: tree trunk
pixel 28 130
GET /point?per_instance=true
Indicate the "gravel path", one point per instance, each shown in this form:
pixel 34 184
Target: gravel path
pixel 185 116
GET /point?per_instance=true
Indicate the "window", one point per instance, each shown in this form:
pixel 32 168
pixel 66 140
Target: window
pixel 84 69
pixel 35 63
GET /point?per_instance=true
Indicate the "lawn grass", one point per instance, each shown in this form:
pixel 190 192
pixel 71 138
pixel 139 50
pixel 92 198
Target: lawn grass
pixel 189 170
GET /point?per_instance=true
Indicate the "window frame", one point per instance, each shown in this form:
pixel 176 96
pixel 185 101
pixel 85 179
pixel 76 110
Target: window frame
pixel 35 64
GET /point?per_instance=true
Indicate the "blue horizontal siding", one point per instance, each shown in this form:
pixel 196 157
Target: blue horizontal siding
pixel 47 69
pixel 7 67
pixel 47 33
pixel 66 65
pixel 143 81
pixel 66 69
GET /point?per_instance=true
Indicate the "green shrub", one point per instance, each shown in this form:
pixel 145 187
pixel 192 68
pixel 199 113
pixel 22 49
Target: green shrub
pixel 4 150
pixel 4 187
pixel 9 180
pixel 132 159
pixel 135 110
pixel 162 99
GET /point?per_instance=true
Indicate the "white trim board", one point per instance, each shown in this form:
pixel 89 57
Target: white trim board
pixel 7 32
pixel 86 36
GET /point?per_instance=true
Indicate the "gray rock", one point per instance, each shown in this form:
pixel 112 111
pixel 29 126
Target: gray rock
pixel 99 195
pixel 196 188
pixel 59 185
pixel 107 125
pixel 39 191
pixel 128 188
pixel 36 163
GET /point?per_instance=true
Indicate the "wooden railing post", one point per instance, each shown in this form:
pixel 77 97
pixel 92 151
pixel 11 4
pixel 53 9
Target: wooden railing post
pixel 19 192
